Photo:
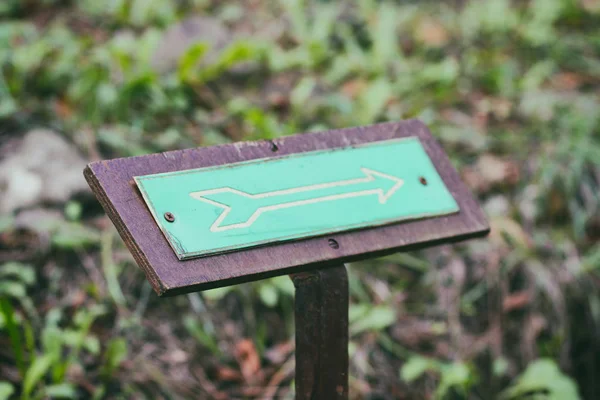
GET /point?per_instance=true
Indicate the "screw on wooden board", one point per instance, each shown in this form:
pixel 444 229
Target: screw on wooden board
pixel 333 244
pixel 423 181
pixel 274 147
pixel 169 217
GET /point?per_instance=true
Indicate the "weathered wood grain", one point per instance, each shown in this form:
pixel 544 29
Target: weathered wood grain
pixel 321 314
pixel 112 182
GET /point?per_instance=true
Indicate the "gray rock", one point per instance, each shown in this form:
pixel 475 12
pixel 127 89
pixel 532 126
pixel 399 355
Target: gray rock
pixel 43 167
pixel 497 206
pixel 39 220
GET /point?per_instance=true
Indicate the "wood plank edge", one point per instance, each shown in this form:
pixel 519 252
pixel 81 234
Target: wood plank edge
pixel 268 143
pixel 183 289
pixel 159 287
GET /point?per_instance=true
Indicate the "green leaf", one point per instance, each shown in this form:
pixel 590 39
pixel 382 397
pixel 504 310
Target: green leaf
pixel 357 311
pixel 235 53
pixel 92 344
pixel 385 35
pixel 107 95
pixel 378 318
pixel 73 210
pixel 6 390
pixel 296 12
pixel 493 16
pixel 72 338
pixel 444 72
pixel 13 289
pixel 239 51
pixel 99 393
pixel 268 294
pixel 373 101
pixel 217 294
pixel 189 61
pixel 116 353
pixel 35 373
pixel 16 343
pixel 144 12
pixel 7 107
pixel 73 235
pixel 454 376
pixel 85 317
pixel 6 222
pixel 111 273
pixel 537 74
pixel 543 376
pixel 301 93
pixel 500 367
pixel 415 367
pixel 24 272
pixel 199 333
pixel 61 391
pixel 284 284
pixel 539 29
pixel 52 340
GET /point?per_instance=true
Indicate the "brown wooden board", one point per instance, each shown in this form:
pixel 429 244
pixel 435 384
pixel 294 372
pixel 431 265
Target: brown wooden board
pixel 321 316
pixel 112 182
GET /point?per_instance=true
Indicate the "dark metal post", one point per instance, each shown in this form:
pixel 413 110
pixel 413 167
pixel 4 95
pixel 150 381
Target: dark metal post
pixel 322 334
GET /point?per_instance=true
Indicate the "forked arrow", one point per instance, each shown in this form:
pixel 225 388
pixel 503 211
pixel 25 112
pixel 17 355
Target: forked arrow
pixel 242 213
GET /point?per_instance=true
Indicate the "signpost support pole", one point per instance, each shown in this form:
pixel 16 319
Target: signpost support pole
pixel 321 311
pixel 155 202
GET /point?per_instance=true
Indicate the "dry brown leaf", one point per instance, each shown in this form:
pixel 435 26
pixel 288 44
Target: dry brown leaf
pixel 592 228
pixel 516 301
pixel 496 170
pixel 432 33
pixel 412 331
pixel 474 180
pixel 533 327
pixel 557 204
pixel 591 5
pixel 491 171
pixel 63 109
pixel 501 108
pixel 280 352
pixel 227 374
pixel 78 298
pixel 248 359
pixel 353 88
pixel 277 90
pixel 207 384
pixel 567 80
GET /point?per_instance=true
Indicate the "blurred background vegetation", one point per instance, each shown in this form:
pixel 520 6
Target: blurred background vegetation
pixel 510 88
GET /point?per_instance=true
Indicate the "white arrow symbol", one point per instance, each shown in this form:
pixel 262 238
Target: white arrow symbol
pixel 246 212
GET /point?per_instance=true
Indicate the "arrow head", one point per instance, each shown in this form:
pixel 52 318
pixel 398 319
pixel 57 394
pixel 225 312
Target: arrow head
pixel 387 184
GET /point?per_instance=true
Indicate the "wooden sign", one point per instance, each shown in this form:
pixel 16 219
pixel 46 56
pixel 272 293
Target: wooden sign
pixel 247 204
pixel 208 217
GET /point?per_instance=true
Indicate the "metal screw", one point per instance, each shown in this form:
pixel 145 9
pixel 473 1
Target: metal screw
pixel 274 147
pixel 423 181
pixel 333 244
pixel 169 217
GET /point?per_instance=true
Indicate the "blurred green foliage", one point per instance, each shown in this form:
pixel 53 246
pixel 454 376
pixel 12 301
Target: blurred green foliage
pixel 516 82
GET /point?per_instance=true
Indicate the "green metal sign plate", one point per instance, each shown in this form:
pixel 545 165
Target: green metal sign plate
pixel 235 206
